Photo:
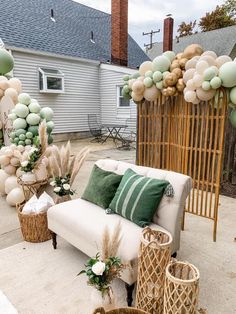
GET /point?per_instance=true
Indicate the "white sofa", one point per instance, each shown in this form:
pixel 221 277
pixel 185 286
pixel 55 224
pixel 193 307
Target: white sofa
pixel 82 223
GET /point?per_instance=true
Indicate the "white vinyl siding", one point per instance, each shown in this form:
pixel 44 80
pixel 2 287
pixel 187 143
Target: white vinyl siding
pixel 110 112
pixel 81 95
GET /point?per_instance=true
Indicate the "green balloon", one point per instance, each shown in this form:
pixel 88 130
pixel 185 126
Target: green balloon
pixel 159 85
pixel 34 129
pixel 50 126
pixel 157 76
pixel 209 74
pixel 169 54
pixel 125 95
pixel 29 135
pixel 161 63
pixel 227 73
pixel 232 118
pixel 136 75
pixel 232 95
pixel 21 143
pixel 206 85
pixel 126 77
pixel 16 140
pixel 13 135
pixel 22 137
pixel 215 82
pixel 148 82
pixel 20 131
pixel 28 141
pixel 6 61
pixel 19 123
pixel 50 139
pixel 126 89
pixel 165 74
pixel 149 74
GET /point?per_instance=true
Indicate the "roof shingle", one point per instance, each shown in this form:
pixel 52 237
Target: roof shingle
pixel 27 24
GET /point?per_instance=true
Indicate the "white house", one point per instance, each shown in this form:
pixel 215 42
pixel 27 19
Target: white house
pixel 72 58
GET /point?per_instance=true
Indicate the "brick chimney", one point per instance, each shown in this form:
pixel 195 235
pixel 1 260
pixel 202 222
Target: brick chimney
pixel 119 32
pixel 168 34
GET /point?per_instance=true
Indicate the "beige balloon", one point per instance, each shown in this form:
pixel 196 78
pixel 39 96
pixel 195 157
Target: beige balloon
pixel 144 67
pixel 210 53
pixel 182 62
pixel 10 184
pixel 171 79
pixel 3 177
pixel 16 84
pixel 10 170
pixel 3 78
pixel 12 93
pixel 4 85
pixel 188 75
pixel 177 72
pixel 151 93
pixel 1 93
pixel 222 59
pixel 136 97
pixel 16 196
pixel 209 59
pixel 138 87
pixel 192 51
pixel 180 85
pixel 205 95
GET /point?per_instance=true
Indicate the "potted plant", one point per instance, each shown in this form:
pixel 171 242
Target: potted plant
pixel 102 269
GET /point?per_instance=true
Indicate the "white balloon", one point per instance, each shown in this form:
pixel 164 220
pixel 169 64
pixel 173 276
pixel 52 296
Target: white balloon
pixel 201 66
pixel 10 169
pixel 10 184
pixel 209 53
pixel 16 196
pixel 222 59
pixel 197 80
pixel 209 59
pixel 3 177
pixel 190 96
pixel 144 67
pixel 190 84
pixel 188 75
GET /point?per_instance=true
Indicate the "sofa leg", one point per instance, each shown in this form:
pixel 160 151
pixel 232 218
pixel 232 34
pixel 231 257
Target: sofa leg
pixel 54 240
pixel 129 289
pixel 174 255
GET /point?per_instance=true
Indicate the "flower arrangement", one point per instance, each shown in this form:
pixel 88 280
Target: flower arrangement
pixel 102 269
pixel 62 186
pixel 33 156
pixel 63 168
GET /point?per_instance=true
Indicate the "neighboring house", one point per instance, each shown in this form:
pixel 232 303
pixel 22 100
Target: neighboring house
pixel 64 54
pixel 222 41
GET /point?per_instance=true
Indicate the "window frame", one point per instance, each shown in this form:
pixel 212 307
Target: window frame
pixel 45 75
pixel 118 97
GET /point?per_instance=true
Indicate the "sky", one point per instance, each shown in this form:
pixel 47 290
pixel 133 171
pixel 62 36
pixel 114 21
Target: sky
pixel 147 15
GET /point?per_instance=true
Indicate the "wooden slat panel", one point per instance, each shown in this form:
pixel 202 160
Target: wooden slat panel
pixel 186 138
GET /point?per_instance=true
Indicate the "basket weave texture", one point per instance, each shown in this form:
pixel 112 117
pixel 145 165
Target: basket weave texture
pixel 181 288
pixel 34 227
pixel 154 256
pixel 120 311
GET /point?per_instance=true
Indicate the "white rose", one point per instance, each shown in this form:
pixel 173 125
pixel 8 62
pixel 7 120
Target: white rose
pixel 34 149
pixel 98 268
pixel 66 187
pixel 63 180
pixel 24 163
pixel 53 183
pixel 57 189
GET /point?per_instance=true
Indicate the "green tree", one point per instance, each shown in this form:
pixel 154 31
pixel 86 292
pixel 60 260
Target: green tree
pixel 221 17
pixel 230 7
pixel 186 29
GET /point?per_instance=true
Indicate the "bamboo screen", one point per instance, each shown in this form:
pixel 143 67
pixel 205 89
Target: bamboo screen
pixel 189 139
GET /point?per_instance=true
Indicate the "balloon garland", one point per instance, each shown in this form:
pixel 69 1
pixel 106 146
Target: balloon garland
pixel 195 73
pixel 26 117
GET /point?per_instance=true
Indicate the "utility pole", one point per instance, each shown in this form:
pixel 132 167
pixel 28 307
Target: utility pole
pixel 149 46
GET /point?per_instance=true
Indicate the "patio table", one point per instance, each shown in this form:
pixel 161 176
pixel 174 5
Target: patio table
pixel 114 131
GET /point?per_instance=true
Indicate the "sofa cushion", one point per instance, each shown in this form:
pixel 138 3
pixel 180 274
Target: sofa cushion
pixel 101 187
pixel 138 197
pixel 82 224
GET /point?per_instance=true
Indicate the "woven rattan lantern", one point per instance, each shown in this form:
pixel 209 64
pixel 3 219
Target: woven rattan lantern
pixel 181 288
pixel 154 256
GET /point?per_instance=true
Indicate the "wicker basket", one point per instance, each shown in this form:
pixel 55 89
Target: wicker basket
pixel 181 288
pixel 126 310
pixel 34 227
pixel 154 256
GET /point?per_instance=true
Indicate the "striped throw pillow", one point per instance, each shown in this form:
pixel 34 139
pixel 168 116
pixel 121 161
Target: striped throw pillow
pixel 138 197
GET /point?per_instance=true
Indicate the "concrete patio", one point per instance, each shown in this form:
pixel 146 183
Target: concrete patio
pixel 216 261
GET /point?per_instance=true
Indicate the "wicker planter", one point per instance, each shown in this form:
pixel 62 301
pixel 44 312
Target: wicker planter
pixel 181 288
pixel 154 256
pixel 62 199
pixel 126 310
pixel 34 227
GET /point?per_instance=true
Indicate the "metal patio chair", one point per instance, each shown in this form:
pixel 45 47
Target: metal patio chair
pixel 128 136
pixel 95 128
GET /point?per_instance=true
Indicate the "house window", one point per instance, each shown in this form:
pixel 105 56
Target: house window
pixel 51 80
pixel 121 101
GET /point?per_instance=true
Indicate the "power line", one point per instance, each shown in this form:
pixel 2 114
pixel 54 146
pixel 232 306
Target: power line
pixel 151 33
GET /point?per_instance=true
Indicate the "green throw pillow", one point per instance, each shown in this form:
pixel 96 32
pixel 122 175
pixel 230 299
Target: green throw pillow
pixel 101 187
pixel 138 197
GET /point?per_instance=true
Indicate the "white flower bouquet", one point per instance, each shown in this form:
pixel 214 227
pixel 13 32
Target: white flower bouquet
pixel 62 186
